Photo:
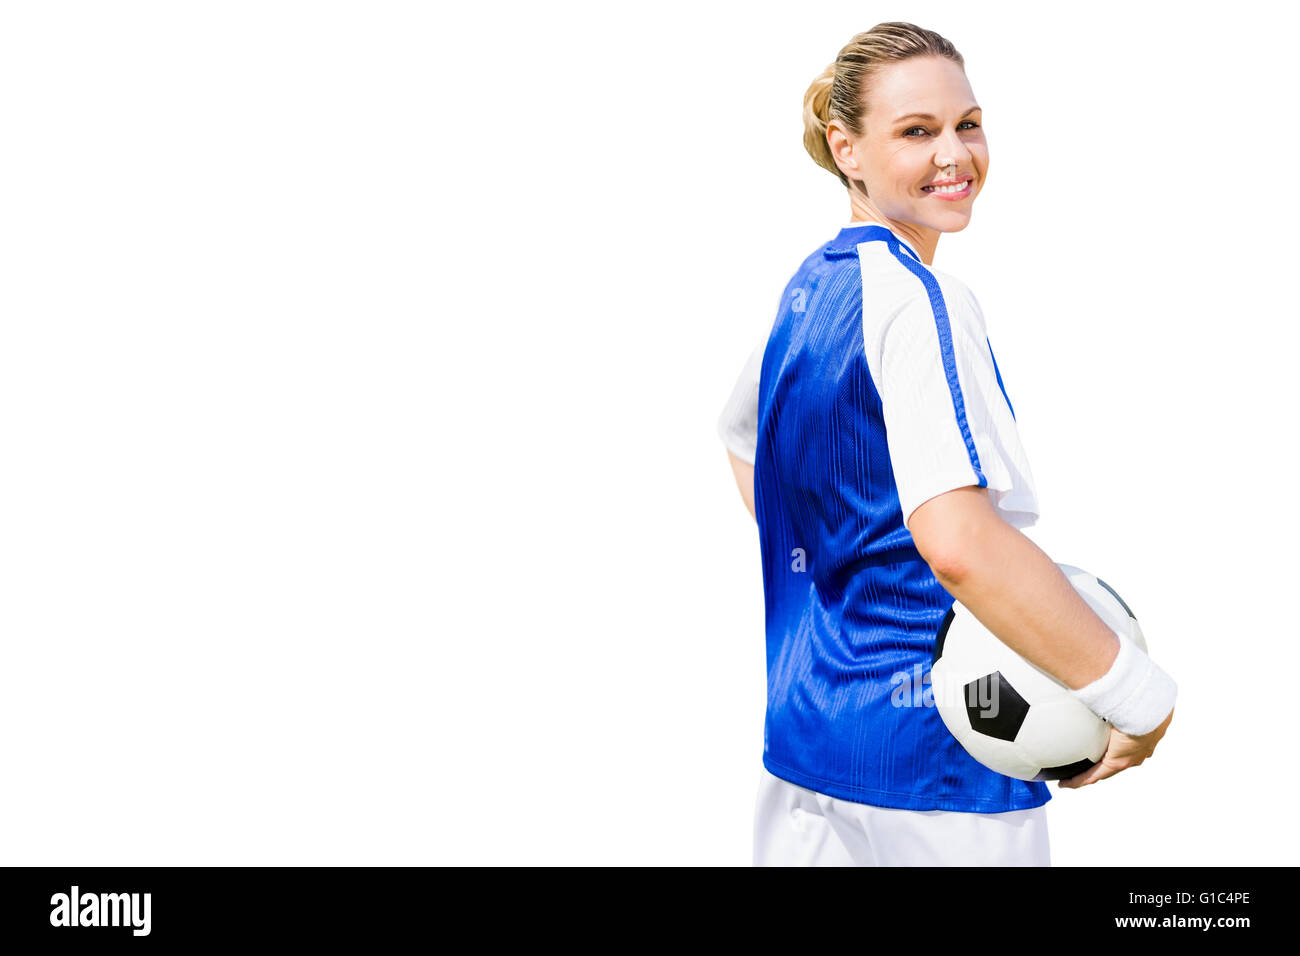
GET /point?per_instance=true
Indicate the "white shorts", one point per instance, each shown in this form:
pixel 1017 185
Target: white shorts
pixel 795 826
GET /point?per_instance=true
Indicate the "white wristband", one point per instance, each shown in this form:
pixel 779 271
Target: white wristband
pixel 1134 695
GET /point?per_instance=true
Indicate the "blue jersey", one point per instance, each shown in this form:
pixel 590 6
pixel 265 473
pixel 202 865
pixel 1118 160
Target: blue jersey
pixel 877 390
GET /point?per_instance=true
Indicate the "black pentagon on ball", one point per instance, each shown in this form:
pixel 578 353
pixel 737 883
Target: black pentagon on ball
pixel 994 708
pixel 1117 598
pixel 943 632
pixel 1065 771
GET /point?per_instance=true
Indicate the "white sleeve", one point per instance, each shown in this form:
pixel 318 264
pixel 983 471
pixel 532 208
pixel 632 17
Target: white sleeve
pixel 738 424
pixel 948 420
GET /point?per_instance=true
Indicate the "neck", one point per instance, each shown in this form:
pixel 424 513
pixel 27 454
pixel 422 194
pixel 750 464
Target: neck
pixel 923 240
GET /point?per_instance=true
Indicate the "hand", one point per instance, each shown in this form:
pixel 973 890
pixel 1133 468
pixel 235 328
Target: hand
pixel 1122 752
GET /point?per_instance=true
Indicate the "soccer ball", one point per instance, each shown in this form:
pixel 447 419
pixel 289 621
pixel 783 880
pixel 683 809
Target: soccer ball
pixel 1009 715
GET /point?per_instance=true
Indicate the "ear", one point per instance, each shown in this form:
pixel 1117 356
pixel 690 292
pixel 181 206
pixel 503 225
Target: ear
pixel 842 152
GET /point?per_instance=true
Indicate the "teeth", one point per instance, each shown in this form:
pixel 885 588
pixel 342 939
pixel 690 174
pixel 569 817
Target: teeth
pixel 947 189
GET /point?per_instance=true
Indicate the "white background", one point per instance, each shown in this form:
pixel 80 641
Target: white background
pixel 360 500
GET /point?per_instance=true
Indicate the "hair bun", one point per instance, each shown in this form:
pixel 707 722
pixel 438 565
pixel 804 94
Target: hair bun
pixel 816 119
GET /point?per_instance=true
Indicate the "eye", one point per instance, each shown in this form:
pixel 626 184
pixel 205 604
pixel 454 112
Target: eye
pixel 970 123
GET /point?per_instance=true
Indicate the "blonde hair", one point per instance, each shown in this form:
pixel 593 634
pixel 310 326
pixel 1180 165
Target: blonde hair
pixel 840 93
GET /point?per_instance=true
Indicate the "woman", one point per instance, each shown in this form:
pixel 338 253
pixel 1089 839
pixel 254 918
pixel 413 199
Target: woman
pixel 873 439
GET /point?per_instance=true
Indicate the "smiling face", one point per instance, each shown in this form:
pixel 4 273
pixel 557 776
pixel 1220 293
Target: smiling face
pixel 901 157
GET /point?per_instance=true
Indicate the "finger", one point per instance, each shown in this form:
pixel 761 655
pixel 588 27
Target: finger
pixel 1098 771
pixel 1078 778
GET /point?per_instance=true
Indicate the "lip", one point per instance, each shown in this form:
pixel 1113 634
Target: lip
pixel 952 197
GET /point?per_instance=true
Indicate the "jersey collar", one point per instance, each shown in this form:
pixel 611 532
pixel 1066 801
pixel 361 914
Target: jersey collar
pixel 863 231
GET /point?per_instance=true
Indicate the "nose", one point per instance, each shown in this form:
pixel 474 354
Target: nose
pixel 951 151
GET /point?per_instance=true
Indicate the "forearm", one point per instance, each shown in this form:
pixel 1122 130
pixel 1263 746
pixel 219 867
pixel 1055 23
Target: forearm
pixel 1015 590
pixel 744 473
